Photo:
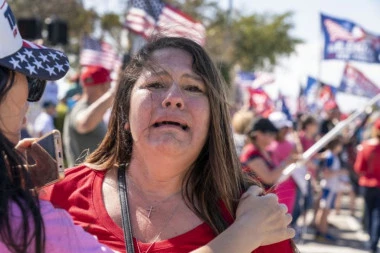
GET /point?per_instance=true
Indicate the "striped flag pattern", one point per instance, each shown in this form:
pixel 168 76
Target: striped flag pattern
pixel 148 17
pixel 98 53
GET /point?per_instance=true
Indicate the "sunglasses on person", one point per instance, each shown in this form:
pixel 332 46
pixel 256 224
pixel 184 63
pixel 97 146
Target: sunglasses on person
pixel 36 88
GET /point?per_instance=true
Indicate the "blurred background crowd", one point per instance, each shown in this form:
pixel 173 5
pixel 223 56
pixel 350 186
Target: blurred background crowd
pixel 272 125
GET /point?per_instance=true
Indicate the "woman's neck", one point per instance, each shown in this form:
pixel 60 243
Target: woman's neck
pixel 158 179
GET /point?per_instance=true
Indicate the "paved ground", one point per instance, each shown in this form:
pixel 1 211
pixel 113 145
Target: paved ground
pixel 347 228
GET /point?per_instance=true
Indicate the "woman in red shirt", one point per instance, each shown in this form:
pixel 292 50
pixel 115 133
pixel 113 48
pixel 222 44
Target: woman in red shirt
pixel 367 165
pixel 169 135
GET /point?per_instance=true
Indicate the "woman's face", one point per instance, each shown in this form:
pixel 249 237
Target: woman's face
pixel 170 111
pixel 13 108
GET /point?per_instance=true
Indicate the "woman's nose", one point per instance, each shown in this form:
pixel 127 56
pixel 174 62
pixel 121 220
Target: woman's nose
pixel 174 98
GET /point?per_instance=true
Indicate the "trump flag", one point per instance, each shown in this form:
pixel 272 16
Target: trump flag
pixel 316 94
pixel 346 40
pixel 356 83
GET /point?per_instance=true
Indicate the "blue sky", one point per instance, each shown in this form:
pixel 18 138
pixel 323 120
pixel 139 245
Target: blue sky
pixel 306 61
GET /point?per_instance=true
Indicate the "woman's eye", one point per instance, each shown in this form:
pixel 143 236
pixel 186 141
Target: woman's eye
pixel 155 85
pixel 193 88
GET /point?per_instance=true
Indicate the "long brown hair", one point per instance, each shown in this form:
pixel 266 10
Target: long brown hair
pixel 14 191
pixel 216 174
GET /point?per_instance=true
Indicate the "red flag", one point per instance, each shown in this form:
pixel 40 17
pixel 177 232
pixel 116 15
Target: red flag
pixel 260 102
pixel 326 93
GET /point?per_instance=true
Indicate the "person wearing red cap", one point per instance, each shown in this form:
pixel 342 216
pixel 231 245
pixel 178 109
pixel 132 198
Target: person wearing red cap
pixel 367 165
pixel 84 127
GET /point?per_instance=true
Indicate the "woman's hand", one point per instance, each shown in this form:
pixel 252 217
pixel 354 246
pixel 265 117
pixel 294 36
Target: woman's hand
pixel 42 166
pixel 260 220
pixel 261 216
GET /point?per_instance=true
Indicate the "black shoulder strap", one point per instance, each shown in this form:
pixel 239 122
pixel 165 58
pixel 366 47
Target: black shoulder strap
pixel 126 220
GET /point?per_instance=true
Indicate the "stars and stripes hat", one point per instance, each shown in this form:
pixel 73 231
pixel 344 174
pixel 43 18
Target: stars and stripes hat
pixel 26 57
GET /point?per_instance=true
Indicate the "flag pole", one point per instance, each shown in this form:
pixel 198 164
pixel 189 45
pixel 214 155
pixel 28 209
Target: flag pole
pixel 319 74
pixel 326 139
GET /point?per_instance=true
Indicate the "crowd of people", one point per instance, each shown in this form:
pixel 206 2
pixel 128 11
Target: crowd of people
pixel 157 163
pixel 266 146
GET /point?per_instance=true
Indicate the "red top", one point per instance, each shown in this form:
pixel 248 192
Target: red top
pixel 305 142
pixel 250 153
pixel 80 194
pixel 367 164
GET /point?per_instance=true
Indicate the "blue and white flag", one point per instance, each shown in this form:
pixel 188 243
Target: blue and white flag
pixel 283 107
pixel 317 94
pixel 346 40
pixel 356 83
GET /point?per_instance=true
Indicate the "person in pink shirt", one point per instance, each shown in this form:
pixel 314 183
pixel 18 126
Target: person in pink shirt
pixel 281 150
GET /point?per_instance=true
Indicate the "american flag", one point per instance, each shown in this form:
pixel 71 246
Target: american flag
pixel 337 32
pixel 98 53
pixel 147 17
pixel 254 79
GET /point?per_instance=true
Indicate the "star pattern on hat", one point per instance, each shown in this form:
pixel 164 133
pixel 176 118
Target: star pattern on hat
pixel 29 54
pixel 59 67
pixel 15 63
pixel 37 61
pixel 60 53
pixel 43 57
pixel 50 70
pixel 21 57
pixel 32 69
pixel 38 64
pixel 53 56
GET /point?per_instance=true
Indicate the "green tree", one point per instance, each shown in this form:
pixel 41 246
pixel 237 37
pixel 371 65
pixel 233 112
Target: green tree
pixel 253 41
pixel 110 23
pixel 260 39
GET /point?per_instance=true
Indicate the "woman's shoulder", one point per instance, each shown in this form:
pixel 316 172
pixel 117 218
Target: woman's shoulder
pixel 63 236
pixel 61 233
pixel 283 247
pixel 76 178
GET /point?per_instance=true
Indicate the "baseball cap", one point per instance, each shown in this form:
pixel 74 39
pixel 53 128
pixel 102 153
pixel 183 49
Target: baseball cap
pixel 280 120
pixel 94 75
pixel 263 125
pixel 30 59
